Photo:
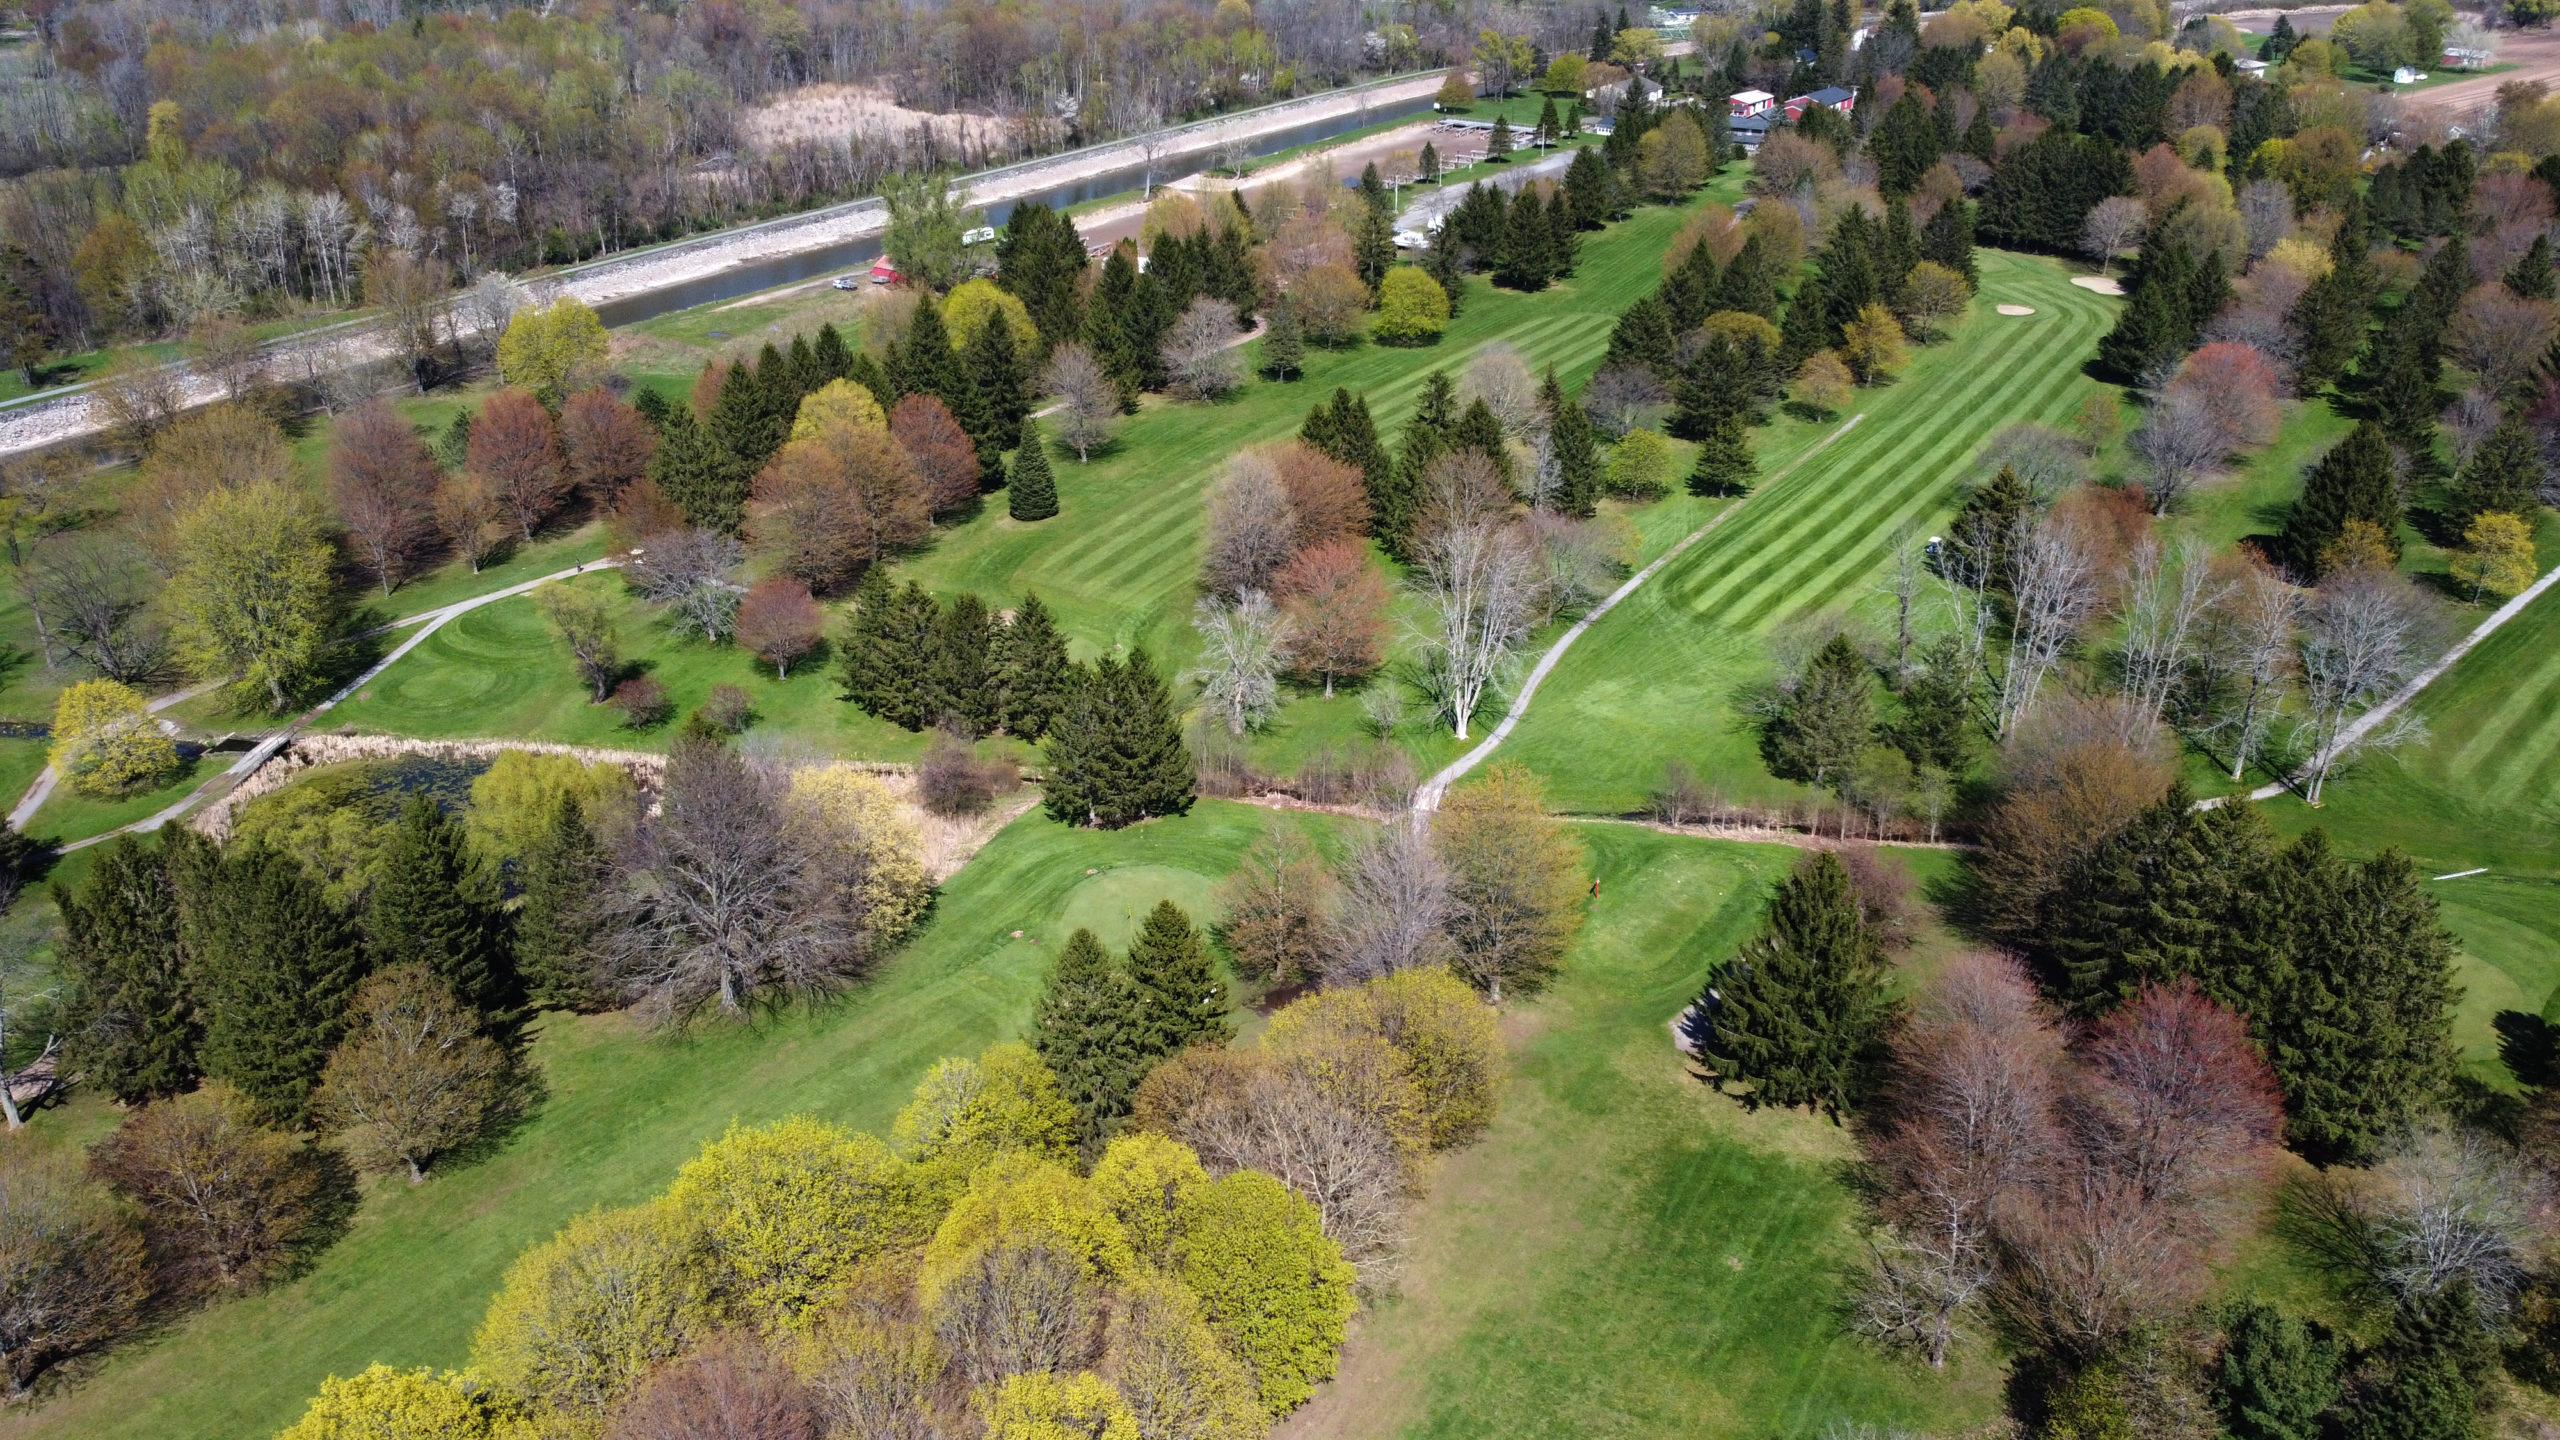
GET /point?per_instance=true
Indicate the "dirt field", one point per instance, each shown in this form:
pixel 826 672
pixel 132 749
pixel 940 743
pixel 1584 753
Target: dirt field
pixel 2534 53
pixel 831 112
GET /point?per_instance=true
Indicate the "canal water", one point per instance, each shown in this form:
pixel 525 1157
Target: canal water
pixel 853 255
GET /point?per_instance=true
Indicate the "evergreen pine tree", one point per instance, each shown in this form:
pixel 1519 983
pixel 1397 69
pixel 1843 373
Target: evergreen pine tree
pixel 831 354
pixel 1086 1028
pixel 1897 250
pixel 1161 778
pixel 1644 337
pixel 1725 466
pixel 1577 455
pixel 1745 286
pixel 2175 893
pixel 2504 474
pixel 862 660
pixel 2279 1376
pixel 1373 188
pixel 1526 261
pixel 1031 670
pixel 433 906
pixel 1032 492
pixel 1564 242
pixel 1040 258
pixel 1373 246
pixel 2531 276
pixel 1112 328
pixel 868 373
pixel 806 373
pixel 1905 145
pixel 1690 292
pixel 1003 381
pixel 1948 240
pixel 131 1020
pixel 2426 1379
pixel 1284 344
pixel 1806 329
pixel 963 679
pixel 696 474
pixel 1445 262
pixel 1602 37
pixel 1851 280
pixel 2158 323
pixel 560 928
pixel 1980 141
pixel 1115 752
pixel 1797 1014
pixel 1934 725
pixel 1822 724
pixel 1181 999
pixel 1550 124
pixel 1586 189
pixel 1478 430
pixel 1497 146
pixel 1430 165
pixel 273 974
pixel 2353 481
pixel 2360 1037
pixel 1981 533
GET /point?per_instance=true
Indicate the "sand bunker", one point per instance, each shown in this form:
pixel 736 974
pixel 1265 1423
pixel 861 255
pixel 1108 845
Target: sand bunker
pixel 2015 309
pixel 2103 284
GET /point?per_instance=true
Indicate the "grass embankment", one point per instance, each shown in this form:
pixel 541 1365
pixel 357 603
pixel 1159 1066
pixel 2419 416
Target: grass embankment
pixel 409 1281
pixel 1628 1253
pixel 1665 675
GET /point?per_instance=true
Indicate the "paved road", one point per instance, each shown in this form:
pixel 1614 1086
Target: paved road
pixel 429 622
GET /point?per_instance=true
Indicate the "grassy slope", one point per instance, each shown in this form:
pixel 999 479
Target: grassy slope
pixel 1627 1253
pixel 410 1280
pixel 1663 675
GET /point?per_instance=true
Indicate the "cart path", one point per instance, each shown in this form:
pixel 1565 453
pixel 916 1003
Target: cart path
pixel 1427 799
pixel 429 621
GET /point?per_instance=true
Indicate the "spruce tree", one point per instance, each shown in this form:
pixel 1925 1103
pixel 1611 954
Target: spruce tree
pixel 1040 258
pixel 1112 328
pixel 1933 726
pixel 1446 265
pixel 1032 491
pixel 1798 1012
pixel 862 657
pixel 275 968
pixel 1373 188
pixel 806 374
pixel 2279 1376
pixel 696 475
pixel 131 1020
pixel 1948 240
pixel 2504 474
pixel 1284 344
pixel 1825 720
pixel 1161 780
pixel 560 929
pixel 833 357
pixel 2360 1035
pixel 1570 440
pixel 1115 751
pixel 1550 124
pixel 1745 285
pixel 1086 1028
pixel 1181 999
pixel 1003 381
pixel 1564 243
pixel 433 906
pixel 2531 276
pixel 741 424
pixel 2353 481
pixel 963 680
pixel 2174 893
pixel 1644 337
pixel 1987 523
pixel 2157 324
pixel 1806 330
pixel 2427 1379
pixel 1031 670
pixel 1497 146
pixel 1527 259
pixel 1478 430
pixel 1851 280
pixel 1725 466
pixel 1980 141
pixel 1373 247
pixel 1586 189
pixel 1690 292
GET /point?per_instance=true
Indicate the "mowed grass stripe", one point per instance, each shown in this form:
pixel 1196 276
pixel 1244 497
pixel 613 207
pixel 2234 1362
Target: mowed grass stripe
pixel 2529 697
pixel 1864 535
pixel 1911 424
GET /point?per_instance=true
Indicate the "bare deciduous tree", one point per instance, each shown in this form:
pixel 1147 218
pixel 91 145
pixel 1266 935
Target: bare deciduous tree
pixel 2501 337
pixel 717 904
pixel 2049 461
pixel 227 1196
pixel 2453 1205
pixel 2266 214
pixel 2056 590
pixel 1394 910
pixel 1025 1304
pixel 1623 398
pixel 470 513
pixel 2180 441
pixel 1200 354
pixel 2358 634
pixel 695 574
pixel 73 1272
pixel 2251 643
pixel 1252 527
pixel 93 594
pixel 1241 647
pixel 1088 411
pixel 2112 224
pixel 1500 378
pixel 2174 1098
pixel 880 1380
pixel 2166 597
pixel 732 1386
pixel 1579 562
pixel 1481 583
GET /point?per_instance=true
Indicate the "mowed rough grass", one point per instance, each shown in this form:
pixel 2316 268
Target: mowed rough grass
pixel 412 1277
pixel 1628 1253
pixel 1662 676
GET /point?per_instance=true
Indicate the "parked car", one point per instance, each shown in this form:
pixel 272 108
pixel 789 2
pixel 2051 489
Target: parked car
pixel 848 282
pixel 1412 240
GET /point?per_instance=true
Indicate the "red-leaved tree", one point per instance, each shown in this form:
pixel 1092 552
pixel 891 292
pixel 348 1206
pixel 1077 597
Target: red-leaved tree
pixel 604 443
pixel 516 449
pixel 1330 498
pixel 1336 604
pixel 942 451
pixel 779 622
pixel 384 482
pixel 2239 386
pixel 2175 1098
